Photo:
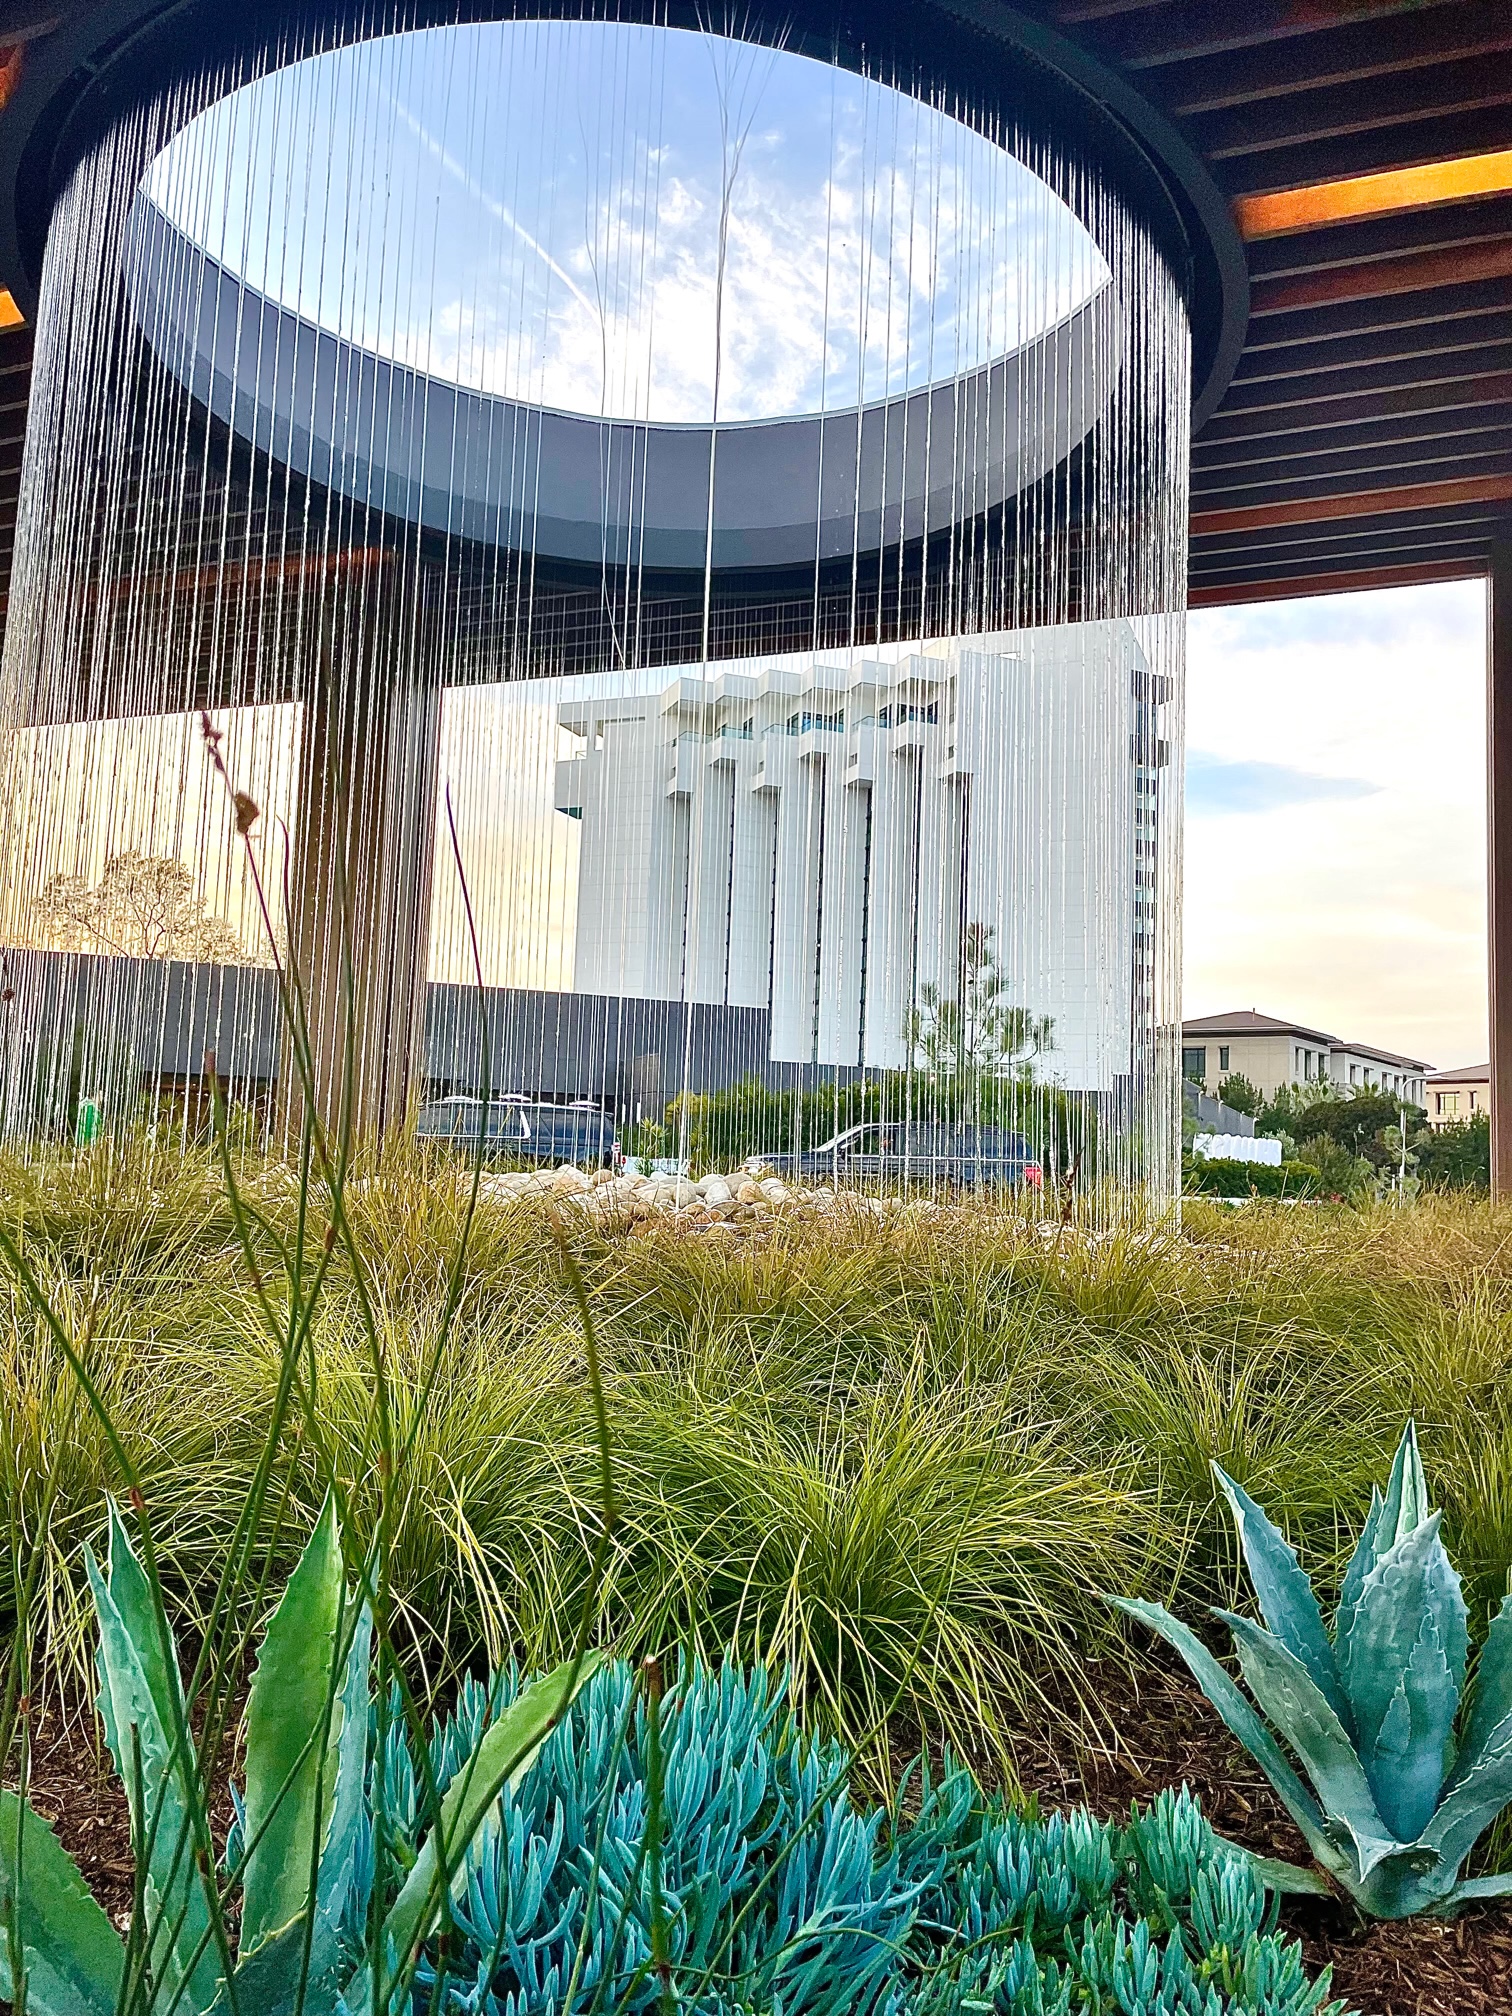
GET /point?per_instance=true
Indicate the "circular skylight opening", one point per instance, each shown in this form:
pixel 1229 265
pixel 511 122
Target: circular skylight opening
pixel 627 222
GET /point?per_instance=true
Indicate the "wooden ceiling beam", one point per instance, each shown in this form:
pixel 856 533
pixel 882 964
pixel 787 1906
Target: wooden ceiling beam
pixel 1469 555
pixel 1304 491
pixel 1487 130
pixel 1356 504
pixel 1146 37
pixel 1410 274
pixel 1443 90
pixel 1465 524
pixel 1420 342
pixel 1474 432
pixel 1284 588
pixel 1459 225
pixel 1348 55
pixel 1340 322
pixel 1243 490
pixel 1272 409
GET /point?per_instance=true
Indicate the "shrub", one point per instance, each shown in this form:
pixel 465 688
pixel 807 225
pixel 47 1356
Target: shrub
pixel 1457 1156
pixel 1241 1093
pixel 1219 1177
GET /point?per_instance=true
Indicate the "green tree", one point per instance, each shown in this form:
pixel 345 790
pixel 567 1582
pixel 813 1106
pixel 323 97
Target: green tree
pixel 1456 1157
pixel 1241 1093
pixel 1340 1173
pixel 1367 1123
pixel 978 1036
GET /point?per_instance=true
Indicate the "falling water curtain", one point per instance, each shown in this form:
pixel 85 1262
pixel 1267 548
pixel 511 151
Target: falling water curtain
pixel 714 516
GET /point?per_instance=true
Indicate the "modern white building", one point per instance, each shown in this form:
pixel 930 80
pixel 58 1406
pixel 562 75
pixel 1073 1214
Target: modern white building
pixel 815 838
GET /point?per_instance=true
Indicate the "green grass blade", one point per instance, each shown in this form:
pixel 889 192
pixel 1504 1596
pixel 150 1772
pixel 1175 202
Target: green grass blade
pixel 71 1953
pixel 292 1714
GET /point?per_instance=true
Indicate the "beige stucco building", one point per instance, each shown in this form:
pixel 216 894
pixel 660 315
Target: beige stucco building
pixel 1272 1053
pixel 1458 1095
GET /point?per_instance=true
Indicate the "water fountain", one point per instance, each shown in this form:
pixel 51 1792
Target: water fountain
pixel 706 509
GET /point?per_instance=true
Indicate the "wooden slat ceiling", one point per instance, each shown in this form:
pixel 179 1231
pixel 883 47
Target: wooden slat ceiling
pixel 1366 438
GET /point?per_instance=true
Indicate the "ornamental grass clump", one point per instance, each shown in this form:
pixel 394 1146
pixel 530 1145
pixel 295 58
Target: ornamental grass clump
pixel 592 1841
pixel 1404 1784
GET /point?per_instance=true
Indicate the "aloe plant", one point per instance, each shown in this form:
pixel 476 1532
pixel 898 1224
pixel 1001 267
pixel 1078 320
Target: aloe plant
pixel 1403 1783
pixel 303 1826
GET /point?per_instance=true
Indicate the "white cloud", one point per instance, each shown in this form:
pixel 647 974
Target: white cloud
pixel 1363 915
pixel 535 209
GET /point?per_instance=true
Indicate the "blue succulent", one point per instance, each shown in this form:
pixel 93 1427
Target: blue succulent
pixel 773 1893
pixel 1404 1777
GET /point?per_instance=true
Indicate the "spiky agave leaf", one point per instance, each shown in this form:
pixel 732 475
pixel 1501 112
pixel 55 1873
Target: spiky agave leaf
pixel 1244 1723
pixel 1392 1516
pixel 306 1745
pixel 141 1703
pixel 1491 1702
pixel 1285 1690
pixel 1285 1594
pixel 70 1952
pixel 1402 1663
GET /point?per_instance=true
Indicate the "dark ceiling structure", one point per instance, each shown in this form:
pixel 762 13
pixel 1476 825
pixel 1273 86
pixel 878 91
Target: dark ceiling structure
pixel 1365 438
pixel 1362 430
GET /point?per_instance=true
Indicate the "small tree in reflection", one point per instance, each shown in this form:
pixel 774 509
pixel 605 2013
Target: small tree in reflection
pixel 978 1041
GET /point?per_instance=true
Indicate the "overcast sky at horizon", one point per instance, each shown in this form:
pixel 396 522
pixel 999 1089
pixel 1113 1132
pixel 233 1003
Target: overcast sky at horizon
pixel 1336 817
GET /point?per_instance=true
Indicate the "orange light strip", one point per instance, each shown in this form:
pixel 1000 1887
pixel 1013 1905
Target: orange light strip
pixel 1374 195
pixel 10 315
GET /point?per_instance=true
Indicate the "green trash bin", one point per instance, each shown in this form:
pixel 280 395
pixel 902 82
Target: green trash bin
pixel 87 1126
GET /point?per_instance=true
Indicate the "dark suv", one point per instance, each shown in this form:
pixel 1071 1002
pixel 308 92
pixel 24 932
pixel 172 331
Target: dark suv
pixel 524 1130
pixel 961 1157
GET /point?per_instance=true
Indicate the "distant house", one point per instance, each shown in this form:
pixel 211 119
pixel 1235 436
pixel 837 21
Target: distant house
pixel 1272 1053
pixel 1458 1095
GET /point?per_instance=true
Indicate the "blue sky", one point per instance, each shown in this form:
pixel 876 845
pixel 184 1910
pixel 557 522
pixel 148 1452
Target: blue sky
pixel 1335 860
pixel 538 209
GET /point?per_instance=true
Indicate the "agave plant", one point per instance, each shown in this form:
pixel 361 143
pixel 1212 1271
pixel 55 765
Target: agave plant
pixel 301 1825
pixel 1403 1784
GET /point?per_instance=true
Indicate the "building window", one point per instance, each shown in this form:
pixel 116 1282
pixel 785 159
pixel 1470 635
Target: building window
pixel 1472 1102
pixel 1223 1056
pixel 1354 1074
pixel 1448 1102
pixel 1194 1066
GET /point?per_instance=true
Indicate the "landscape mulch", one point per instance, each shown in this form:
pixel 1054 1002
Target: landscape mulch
pixel 1165 1735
